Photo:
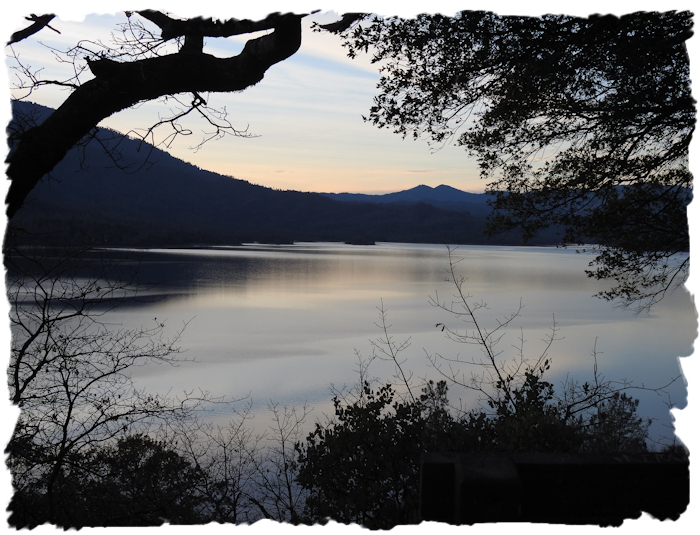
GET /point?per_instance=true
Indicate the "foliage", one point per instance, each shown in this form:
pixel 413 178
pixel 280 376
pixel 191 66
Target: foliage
pixel 363 467
pixel 528 420
pixel 136 482
pixel 579 123
pixel 616 427
pixel 140 481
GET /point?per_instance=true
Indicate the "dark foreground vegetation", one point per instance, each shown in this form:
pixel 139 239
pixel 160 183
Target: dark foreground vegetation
pixel 91 449
pixel 362 468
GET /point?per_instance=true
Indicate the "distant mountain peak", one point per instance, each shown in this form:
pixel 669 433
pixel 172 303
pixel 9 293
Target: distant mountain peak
pixel 442 196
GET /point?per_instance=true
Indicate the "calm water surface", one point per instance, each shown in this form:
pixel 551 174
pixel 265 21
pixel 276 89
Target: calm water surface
pixel 283 323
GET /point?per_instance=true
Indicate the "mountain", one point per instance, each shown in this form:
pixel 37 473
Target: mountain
pixel 445 197
pixel 138 195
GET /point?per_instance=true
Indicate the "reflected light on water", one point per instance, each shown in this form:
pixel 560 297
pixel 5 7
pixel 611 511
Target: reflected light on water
pixel 283 323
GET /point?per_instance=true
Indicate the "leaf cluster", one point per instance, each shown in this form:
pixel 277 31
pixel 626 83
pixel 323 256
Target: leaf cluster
pixel 363 468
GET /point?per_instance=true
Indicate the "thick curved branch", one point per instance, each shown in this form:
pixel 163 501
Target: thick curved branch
pixel 118 86
pixel 172 28
pixel 40 22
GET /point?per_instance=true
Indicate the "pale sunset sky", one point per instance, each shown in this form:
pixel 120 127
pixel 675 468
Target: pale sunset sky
pixel 307 111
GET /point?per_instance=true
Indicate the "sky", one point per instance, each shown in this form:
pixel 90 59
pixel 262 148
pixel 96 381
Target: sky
pixel 307 111
pixel 306 114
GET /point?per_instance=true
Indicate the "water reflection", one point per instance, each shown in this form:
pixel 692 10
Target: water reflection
pixel 282 322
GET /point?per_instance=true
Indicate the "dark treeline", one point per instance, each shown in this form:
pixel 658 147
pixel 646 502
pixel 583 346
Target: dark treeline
pixel 137 195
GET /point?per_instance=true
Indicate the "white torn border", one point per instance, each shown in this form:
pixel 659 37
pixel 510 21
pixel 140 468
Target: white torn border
pixel 12 19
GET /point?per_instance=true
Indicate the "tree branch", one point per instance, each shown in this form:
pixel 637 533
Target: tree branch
pixel 118 86
pixel 173 28
pixel 344 23
pixel 40 22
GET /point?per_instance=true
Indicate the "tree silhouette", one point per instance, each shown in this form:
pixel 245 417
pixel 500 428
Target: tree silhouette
pixel 140 67
pixel 579 123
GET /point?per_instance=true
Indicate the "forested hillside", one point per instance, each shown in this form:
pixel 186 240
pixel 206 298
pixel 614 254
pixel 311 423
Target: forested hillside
pixel 148 197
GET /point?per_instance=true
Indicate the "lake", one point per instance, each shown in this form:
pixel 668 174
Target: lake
pixel 284 323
